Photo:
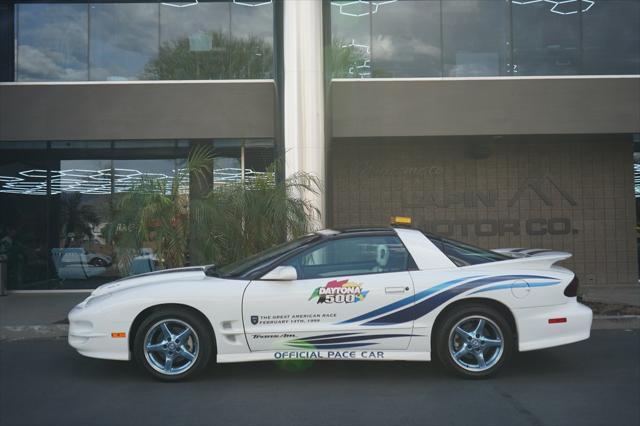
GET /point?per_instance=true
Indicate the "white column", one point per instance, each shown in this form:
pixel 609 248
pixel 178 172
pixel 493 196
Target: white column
pixel 304 93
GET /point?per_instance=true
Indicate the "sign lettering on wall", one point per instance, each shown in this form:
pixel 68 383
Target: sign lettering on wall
pixel 544 189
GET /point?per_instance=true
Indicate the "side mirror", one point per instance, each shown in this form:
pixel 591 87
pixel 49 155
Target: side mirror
pixel 282 273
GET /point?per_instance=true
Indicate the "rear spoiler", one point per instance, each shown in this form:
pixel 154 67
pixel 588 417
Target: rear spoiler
pixel 522 252
pixel 533 258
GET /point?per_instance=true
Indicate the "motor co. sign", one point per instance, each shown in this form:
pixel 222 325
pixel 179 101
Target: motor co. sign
pixel 545 189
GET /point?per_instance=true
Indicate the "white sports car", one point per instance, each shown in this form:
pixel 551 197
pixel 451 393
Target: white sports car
pixel 360 294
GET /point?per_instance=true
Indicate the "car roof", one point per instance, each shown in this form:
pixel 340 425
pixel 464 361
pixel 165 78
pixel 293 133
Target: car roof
pixel 354 230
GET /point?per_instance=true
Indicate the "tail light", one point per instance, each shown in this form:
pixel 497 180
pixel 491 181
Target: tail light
pixel 572 288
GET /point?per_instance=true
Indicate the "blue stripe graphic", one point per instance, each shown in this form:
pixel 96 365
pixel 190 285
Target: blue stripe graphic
pixel 422 308
pixel 357 338
pixel 407 300
pixel 339 346
pixel 516 285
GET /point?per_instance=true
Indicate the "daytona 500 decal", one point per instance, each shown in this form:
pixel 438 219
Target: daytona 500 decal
pixel 343 291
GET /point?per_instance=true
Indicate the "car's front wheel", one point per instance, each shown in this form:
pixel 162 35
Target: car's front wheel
pixel 172 344
pixel 474 341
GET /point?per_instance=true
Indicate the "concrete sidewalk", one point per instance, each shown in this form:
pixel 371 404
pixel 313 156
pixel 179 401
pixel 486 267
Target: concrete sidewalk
pixel 625 295
pixel 44 315
pixel 36 315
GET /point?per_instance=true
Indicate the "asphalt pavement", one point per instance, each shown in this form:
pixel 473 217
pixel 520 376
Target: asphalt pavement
pixel 596 382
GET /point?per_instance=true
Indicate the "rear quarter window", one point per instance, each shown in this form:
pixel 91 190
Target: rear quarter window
pixel 462 254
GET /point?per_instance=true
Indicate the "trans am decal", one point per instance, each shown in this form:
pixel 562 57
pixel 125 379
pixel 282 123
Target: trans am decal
pixel 335 291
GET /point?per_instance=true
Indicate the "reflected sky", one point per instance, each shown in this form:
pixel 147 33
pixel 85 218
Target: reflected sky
pixel 118 41
pixel 460 38
pixel 387 38
pixel 52 42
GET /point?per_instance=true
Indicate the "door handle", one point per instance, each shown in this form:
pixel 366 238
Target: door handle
pixel 390 290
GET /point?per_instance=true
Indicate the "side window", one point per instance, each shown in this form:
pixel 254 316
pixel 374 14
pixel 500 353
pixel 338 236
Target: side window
pixel 463 254
pixel 351 256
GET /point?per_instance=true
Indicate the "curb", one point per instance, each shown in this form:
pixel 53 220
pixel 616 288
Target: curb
pixel 618 322
pixel 28 332
pixel 60 331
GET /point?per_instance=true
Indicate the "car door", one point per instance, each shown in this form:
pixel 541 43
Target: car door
pixel 341 282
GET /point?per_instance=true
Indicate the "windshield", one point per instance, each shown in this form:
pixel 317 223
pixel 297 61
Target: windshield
pixel 243 266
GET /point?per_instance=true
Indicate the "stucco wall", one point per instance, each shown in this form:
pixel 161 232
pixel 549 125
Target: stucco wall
pixel 485 106
pixel 137 110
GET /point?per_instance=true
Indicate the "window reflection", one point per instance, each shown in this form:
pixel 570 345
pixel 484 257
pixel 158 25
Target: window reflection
pixel 406 39
pixel 474 38
pixel 193 43
pixel 608 50
pixel 351 41
pixel 82 213
pixel 145 40
pixel 251 46
pixel 23 232
pixel 82 257
pixel 123 38
pixel 545 43
pixel 460 38
pixel 52 43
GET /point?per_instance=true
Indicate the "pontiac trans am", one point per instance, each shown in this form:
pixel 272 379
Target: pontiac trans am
pixel 360 294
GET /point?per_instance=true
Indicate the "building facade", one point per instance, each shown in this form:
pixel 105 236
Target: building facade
pixel 502 123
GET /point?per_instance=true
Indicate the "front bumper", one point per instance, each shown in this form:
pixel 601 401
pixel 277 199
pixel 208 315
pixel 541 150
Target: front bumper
pixel 535 331
pixel 90 333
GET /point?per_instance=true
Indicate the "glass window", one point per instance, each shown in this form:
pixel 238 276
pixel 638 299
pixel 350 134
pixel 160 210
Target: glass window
pixel 464 254
pixel 23 224
pixel 261 259
pixel 193 43
pixel 81 256
pixel 475 37
pixel 251 44
pixel 611 37
pixel 406 39
pixel 51 42
pixel 350 39
pixel 351 256
pixel 123 39
pixel 111 41
pixel 545 38
pixel 82 213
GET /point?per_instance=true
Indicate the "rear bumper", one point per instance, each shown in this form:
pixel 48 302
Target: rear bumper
pixel 535 332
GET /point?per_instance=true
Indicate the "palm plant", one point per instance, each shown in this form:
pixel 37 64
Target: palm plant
pixel 239 219
pixel 155 212
pixel 230 222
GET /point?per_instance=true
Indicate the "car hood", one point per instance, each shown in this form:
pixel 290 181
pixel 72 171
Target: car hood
pixel 177 274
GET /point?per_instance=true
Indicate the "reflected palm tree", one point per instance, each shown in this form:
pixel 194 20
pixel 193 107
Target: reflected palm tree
pixel 212 56
pixel 78 220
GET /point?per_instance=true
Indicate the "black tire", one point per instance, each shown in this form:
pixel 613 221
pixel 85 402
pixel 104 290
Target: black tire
pixel 98 262
pixel 204 342
pixel 466 314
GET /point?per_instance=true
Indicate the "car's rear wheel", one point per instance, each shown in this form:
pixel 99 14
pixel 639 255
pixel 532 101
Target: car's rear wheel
pixel 172 344
pixel 474 341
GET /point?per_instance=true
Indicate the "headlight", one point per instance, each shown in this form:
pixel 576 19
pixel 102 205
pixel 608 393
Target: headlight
pixel 92 300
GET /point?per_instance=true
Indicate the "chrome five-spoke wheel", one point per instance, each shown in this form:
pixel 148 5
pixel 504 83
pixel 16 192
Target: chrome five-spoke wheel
pixel 474 340
pixel 476 343
pixel 173 343
pixel 171 346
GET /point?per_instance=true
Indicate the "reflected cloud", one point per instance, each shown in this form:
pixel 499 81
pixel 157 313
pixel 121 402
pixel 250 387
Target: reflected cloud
pixel 38 65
